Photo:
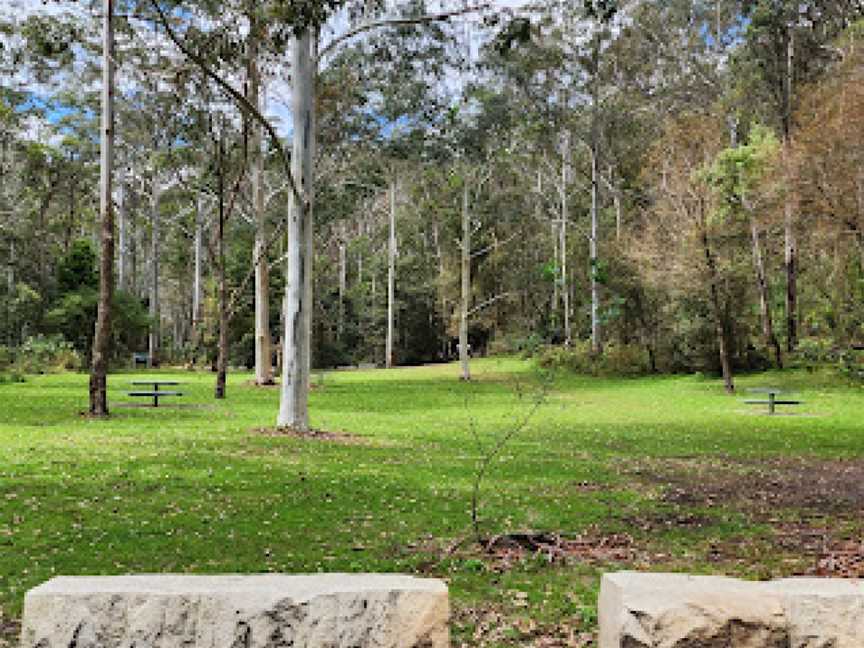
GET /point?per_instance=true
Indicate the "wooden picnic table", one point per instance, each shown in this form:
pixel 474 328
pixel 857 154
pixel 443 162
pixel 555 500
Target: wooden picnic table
pixel 772 400
pixel 155 393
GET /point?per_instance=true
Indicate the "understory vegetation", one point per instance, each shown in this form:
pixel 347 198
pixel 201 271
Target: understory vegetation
pixel 658 472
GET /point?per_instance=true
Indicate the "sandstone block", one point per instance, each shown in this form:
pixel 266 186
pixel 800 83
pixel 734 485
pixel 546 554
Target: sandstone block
pixel 260 611
pixel 645 610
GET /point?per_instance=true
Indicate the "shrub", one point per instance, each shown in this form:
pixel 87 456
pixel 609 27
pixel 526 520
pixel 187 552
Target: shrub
pixel 615 360
pixel 43 354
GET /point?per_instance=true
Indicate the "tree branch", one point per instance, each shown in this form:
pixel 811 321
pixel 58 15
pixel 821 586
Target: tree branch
pixel 242 101
pixel 396 22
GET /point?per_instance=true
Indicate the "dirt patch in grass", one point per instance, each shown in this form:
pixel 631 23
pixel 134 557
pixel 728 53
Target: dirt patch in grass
pixel 590 548
pixel 314 435
pixel 814 508
pixel 759 487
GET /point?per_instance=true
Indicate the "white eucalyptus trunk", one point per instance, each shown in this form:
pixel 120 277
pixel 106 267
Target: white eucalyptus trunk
pixel 562 240
pixel 466 287
pixel 294 394
pixel 197 283
pixel 263 364
pixel 155 337
pixel 123 243
pixel 391 276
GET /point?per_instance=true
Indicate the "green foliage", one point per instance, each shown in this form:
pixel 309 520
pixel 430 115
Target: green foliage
pixel 623 360
pixel 77 269
pixel 47 354
pixel 739 171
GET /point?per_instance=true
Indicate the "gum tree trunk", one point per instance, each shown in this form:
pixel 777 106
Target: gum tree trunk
pixel 764 301
pixel 263 366
pixel 293 405
pixel 720 327
pixel 155 339
pixel 391 276
pixel 222 357
pixel 102 338
pixel 466 287
pixel 791 243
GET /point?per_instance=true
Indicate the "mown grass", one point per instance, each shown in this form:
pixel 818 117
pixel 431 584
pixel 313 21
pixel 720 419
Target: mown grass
pixel 193 487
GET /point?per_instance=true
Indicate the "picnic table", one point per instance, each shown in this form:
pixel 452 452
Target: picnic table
pixel 155 393
pixel 772 400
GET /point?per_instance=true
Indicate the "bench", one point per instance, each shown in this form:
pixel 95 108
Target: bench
pixel 140 359
pixel 386 610
pixel 155 393
pixel 772 400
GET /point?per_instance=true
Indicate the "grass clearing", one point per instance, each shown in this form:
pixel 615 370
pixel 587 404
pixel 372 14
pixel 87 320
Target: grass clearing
pixel 655 473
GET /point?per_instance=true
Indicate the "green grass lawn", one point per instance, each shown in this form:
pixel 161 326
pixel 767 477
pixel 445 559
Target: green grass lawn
pixel 663 473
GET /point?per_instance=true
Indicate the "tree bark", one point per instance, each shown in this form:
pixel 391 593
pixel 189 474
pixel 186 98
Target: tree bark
pixel 102 337
pixel 764 300
pixel 293 405
pixel 263 364
pixel 466 286
pixel 391 276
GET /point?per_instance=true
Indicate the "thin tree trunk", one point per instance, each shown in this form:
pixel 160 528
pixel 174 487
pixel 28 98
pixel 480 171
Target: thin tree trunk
pixel 565 292
pixel 391 276
pixel 197 283
pixel 720 327
pixel 263 365
pixel 343 283
pixel 764 300
pixel 155 340
pixel 122 260
pixel 466 287
pixel 293 406
pixel 791 251
pixel 222 354
pixel 102 338
pixel 595 205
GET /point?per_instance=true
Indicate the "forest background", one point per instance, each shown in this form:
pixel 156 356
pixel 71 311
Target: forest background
pixel 620 187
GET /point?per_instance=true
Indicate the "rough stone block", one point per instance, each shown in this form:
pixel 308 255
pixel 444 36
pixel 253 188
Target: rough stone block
pixel 261 611
pixel 645 610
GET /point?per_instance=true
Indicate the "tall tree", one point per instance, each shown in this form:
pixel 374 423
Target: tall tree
pixel 102 340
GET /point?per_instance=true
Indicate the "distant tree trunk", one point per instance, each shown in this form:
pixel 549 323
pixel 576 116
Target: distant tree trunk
pixel 123 258
pixel 293 405
pixel 197 283
pixel 562 244
pixel 263 364
pixel 155 341
pixel 343 283
pixel 764 300
pixel 102 338
pixel 391 276
pixel 791 245
pixel 595 203
pixel 222 357
pixel 466 286
pixel 720 327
